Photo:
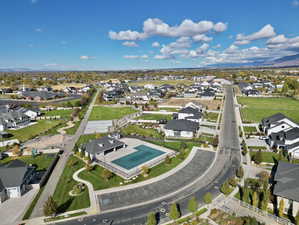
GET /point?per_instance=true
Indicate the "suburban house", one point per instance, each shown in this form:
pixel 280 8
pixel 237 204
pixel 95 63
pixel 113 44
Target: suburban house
pixel 286 186
pixel 282 133
pixel 33 113
pixel 189 113
pixel 101 147
pixel 13 119
pixel 181 128
pixel 276 123
pixel 14 179
pixel 112 95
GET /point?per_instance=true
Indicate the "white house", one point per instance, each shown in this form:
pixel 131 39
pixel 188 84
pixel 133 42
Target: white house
pixel 189 113
pixel 181 129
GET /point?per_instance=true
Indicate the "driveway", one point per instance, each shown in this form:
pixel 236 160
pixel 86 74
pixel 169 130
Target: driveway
pixel 256 142
pixel 13 209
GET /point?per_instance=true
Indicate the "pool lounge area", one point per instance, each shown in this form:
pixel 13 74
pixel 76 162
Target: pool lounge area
pixel 127 161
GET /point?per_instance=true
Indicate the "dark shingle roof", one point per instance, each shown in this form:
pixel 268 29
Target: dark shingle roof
pixel 102 144
pixel 292 134
pixel 182 125
pixel 287 182
pixel 13 173
pixel 272 119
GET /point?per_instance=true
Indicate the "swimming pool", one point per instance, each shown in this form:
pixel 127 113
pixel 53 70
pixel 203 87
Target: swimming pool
pixel 143 154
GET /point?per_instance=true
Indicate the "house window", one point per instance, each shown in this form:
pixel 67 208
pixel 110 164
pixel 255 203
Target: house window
pixel 177 133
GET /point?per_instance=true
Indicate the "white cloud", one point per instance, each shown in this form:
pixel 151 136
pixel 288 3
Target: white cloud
pixel 220 27
pixel 86 57
pixel 277 39
pixel 295 3
pixel 217 46
pixel 156 44
pixel 202 37
pixel 284 43
pixel 130 44
pixel 156 27
pixel 135 56
pixel 266 32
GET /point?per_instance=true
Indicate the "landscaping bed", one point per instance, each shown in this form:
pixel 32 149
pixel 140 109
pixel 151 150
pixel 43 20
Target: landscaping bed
pixel 154 117
pixel 141 131
pixel 66 183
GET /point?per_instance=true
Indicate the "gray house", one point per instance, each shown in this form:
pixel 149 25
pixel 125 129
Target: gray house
pixel 286 186
pixel 101 147
pixel 14 179
pixel 181 128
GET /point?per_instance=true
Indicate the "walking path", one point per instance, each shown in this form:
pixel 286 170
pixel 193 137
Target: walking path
pixel 94 204
pixel 69 124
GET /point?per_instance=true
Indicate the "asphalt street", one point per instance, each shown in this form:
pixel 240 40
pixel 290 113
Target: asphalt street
pixel 228 160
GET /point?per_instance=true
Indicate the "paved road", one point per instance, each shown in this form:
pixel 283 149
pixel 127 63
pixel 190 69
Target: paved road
pixel 228 160
pixel 54 178
pixel 194 169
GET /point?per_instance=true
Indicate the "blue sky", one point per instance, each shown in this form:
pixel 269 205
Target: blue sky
pixel 140 34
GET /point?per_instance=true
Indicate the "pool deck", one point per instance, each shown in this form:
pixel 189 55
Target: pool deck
pixel 131 144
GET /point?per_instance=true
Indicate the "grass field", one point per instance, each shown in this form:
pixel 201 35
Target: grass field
pixel 211 116
pixel 135 129
pixel 32 131
pixel 110 113
pixel 258 108
pixel 249 129
pixel 154 117
pixel 62 113
pixel 42 162
pixel 65 185
pixel 271 157
pixel 161 82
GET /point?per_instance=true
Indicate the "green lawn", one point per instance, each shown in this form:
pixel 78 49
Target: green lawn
pixel 110 113
pixel 32 131
pixel 154 117
pixel 258 108
pixel 135 129
pixel 73 130
pixel 42 162
pixel 65 185
pixel 62 113
pixel 211 116
pixel 249 129
pixel 271 157
pixel 168 109
pixel 99 183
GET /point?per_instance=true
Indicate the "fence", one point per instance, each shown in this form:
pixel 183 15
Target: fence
pixel 260 212
pixel 47 174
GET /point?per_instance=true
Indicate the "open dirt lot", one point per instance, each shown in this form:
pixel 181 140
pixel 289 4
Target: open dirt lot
pixel 211 104
pixel 63 86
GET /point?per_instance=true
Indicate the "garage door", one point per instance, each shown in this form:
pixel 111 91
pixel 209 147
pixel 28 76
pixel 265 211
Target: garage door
pixel 13 193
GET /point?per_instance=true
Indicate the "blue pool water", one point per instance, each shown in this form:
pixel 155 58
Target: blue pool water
pixel 143 154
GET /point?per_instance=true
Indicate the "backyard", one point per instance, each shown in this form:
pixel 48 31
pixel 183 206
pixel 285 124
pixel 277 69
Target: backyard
pixel 154 117
pixel 110 113
pixel 255 109
pixel 42 162
pixel 94 176
pixel 138 130
pixel 32 131
pixel 62 113
pixel 65 185
pixel 211 116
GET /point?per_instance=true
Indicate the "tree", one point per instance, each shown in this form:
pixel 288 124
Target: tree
pixel 16 150
pixel 193 205
pixel 167 159
pixel 50 207
pixel 245 196
pixel 232 181
pixel 240 172
pixel 207 198
pixel 174 213
pixel 151 219
pixel 225 189
pixel 281 208
pixel 215 141
pixel 106 174
pixel 258 158
pixel 145 170
pixel 255 199
pixel 265 200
